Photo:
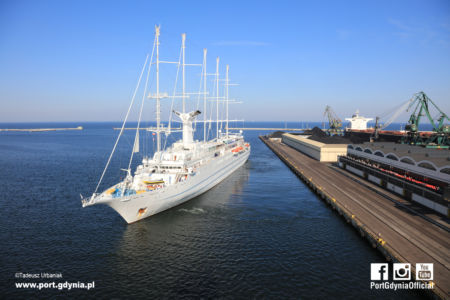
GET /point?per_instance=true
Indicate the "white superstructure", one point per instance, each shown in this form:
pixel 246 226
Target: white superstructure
pixel 358 122
pixel 182 171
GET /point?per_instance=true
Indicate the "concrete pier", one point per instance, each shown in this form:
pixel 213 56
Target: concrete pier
pixel 40 129
pixel 398 233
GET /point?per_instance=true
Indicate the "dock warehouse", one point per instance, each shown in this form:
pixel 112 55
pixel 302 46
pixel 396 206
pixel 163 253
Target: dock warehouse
pixel 417 173
pixel 317 150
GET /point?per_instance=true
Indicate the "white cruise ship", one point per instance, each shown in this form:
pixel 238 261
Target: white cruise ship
pixel 188 167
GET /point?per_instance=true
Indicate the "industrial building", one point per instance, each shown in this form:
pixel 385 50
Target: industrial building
pixel 419 174
pixel 320 151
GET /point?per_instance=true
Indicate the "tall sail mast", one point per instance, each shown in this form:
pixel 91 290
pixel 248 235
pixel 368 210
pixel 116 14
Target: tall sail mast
pixel 217 97
pixel 158 104
pixel 226 99
pixel 204 94
pixel 183 47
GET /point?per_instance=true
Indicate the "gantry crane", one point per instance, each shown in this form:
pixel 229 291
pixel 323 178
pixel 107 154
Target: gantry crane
pixel 441 131
pixel 335 124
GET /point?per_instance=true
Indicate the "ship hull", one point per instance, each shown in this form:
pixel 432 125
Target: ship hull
pixel 137 207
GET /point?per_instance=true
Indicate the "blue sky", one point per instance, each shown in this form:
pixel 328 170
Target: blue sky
pixel 79 60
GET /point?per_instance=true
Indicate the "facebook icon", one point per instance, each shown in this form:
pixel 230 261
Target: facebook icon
pixel 379 272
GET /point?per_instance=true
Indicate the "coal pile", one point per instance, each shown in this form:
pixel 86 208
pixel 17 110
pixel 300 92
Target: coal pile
pixel 276 134
pixel 321 136
pixel 316 132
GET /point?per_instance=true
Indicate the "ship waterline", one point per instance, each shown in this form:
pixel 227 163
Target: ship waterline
pixel 136 207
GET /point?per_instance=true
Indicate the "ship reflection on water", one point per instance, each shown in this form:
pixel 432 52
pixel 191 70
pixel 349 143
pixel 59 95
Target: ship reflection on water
pixel 182 238
pixel 210 202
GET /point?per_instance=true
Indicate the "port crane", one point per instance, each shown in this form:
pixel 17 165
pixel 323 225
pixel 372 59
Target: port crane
pixel 441 131
pixel 335 124
pixel 390 116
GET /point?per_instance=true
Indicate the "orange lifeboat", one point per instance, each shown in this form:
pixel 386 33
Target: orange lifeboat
pixel 237 149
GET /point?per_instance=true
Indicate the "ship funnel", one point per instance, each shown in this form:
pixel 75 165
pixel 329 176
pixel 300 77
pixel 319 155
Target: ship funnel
pixel 187 119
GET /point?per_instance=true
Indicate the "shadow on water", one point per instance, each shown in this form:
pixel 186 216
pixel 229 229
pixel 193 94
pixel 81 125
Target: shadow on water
pixel 210 205
pixel 168 251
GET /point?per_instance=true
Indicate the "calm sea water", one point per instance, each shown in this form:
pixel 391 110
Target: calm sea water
pixel 261 233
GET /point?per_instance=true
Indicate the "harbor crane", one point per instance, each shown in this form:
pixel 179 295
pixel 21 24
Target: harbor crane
pixel 335 124
pixel 441 131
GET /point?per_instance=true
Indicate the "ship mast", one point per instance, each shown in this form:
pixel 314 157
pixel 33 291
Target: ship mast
pixel 226 90
pixel 217 97
pixel 183 47
pixel 158 103
pixel 204 94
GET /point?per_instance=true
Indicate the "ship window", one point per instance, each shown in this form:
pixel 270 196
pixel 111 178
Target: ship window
pixel 427 166
pixel 379 153
pixel 446 171
pixel 358 149
pixel 407 161
pixel 391 156
pixel 368 151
